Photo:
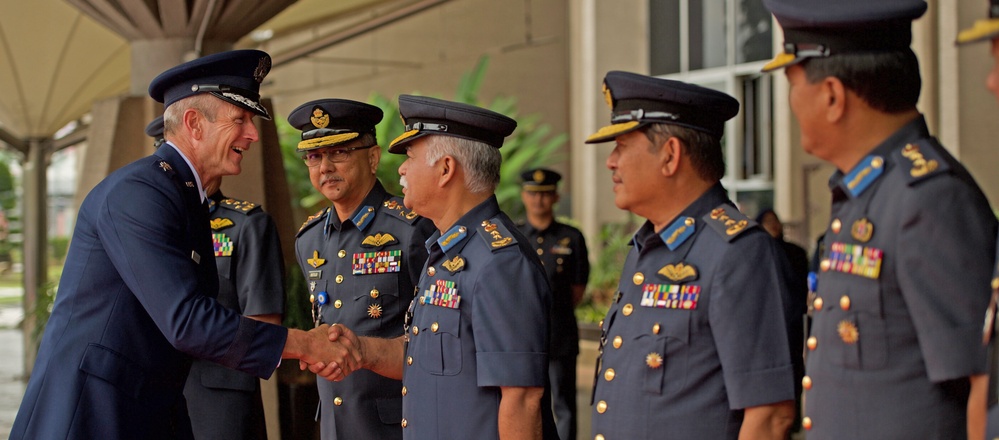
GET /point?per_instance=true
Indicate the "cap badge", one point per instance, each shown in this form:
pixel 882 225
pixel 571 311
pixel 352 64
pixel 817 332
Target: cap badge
pixel 263 67
pixel 539 176
pixel 315 261
pixel 320 119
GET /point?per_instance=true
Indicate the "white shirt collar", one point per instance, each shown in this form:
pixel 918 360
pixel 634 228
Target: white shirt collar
pixel 197 178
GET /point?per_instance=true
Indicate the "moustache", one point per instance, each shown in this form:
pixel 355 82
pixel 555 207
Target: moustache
pixel 402 181
pixel 330 178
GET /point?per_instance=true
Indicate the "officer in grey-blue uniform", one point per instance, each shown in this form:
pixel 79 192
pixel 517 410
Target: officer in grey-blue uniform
pixel 480 317
pixel 361 258
pixel 693 346
pixel 562 250
pixel 224 403
pixel 987 29
pixel 895 348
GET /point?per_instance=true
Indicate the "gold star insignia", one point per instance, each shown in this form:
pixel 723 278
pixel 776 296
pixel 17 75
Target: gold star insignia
pixel 848 332
pixel 653 360
pixel 375 311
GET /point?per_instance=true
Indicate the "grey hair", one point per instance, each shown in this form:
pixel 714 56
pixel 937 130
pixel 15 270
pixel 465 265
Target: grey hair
pixel 480 160
pixel 207 104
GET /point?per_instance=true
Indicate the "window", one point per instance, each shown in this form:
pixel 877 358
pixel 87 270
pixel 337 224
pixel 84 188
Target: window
pixel 722 44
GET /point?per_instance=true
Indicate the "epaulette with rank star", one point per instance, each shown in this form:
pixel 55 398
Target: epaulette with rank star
pixel 397 210
pixel 238 205
pixel 921 160
pixel 495 234
pixel 728 221
pixel 312 220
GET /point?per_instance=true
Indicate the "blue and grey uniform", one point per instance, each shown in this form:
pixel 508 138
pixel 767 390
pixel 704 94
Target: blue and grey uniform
pixel 225 403
pixel 902 288
pixel 695 333
pixel 361 273
pixel 479 322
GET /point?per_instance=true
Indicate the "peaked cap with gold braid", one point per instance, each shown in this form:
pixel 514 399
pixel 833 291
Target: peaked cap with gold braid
pixel 822 28
pixel 638 100
pixel 984 29
pixel 540 180
pixel 425 116
pixel 330 122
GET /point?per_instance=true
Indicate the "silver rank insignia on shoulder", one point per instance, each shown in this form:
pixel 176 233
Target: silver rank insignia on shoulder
pixel 165 166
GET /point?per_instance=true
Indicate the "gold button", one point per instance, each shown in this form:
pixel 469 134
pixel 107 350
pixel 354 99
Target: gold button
pixel 601 323
pixel 599 437
pixel 541 240
pixel 559 261
pixel 404 391
pixel 339 279
pixel 540 252
pixel 812 343
pixel 655 329
pixel 409 360
pixel 844 302
pixel 836 225
pixel 638 278
pixel 609 374
pixel 806 423
pixel 374 293
pixel 338 304
pixel 434 327
pixel 995 283
pixel 627 309
pixel 824 265
pixel 416 330
pixel 601 407
pixel 817 303
pixel 431 271
pixel 342 253
pixel 617 341
pixel 404 423
pixel 338 401
pixel 312 298
pixel 806 383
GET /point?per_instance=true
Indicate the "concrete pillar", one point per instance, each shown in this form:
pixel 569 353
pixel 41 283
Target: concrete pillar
pixel 35 243
pixel 152 57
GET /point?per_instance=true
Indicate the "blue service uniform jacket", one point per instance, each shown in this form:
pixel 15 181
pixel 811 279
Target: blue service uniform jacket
pixel 362 273
pixel 225 403
pixel 479 322
pixel 696 333
pixel 902 289
pixel 134 306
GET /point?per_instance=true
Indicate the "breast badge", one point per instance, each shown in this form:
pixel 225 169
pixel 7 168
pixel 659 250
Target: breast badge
pixel 315 261
pixel 378 240
pixel 221 223
pixel 375 311
pixel 455 264
pixel 848 332
pixel 862 230
pixel 654 360
pixel 679 272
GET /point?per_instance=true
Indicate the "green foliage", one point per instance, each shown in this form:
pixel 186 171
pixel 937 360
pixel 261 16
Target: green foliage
pixel 42 310
pixel 605 273
pixel 57 248
pixel 531 145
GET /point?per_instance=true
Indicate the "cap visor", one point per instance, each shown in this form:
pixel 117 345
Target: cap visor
pixel 398 144
pixel 612 131
pixel 243 103
pixel 982 30
pixel 326 141
pixel 539 188
pixel 782 60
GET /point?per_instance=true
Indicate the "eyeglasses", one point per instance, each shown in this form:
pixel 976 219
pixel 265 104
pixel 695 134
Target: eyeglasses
pixel 337 155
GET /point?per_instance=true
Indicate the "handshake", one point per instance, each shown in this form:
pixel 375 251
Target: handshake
pixel 332 352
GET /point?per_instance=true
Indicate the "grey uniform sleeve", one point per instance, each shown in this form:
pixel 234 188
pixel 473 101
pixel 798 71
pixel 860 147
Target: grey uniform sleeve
pixel 746 321
pixel 945 249
pixel 260 267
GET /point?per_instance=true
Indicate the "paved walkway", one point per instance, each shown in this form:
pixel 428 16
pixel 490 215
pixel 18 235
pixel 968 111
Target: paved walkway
pixel 11 360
